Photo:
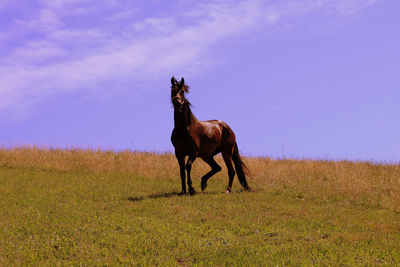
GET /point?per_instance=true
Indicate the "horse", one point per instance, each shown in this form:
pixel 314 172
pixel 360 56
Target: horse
pixel 204 139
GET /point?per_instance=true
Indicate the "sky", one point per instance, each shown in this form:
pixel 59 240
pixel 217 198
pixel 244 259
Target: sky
pixel 299 79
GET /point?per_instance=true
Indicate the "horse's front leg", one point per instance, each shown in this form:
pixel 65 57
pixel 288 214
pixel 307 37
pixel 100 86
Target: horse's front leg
pixel 181 161
pixel 188 169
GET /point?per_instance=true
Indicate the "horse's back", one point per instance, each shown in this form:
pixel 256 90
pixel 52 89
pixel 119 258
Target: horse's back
pixel 219 132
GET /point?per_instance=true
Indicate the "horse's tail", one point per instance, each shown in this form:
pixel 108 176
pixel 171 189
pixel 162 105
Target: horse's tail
pixel 241 168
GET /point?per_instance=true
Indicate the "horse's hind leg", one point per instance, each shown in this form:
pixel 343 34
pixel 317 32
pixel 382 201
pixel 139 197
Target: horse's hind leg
pixel 188 169
pixel 231 171
pixel 214 169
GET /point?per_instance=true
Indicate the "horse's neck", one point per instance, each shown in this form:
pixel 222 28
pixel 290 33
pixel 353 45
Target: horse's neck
pixel 184 118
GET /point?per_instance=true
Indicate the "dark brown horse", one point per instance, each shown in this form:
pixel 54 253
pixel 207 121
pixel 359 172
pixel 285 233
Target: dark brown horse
pixel 203 139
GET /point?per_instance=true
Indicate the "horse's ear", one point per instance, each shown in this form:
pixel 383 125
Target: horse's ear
pixel 182 82
pixel 173 80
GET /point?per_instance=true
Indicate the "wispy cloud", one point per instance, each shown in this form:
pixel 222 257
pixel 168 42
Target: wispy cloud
pixel 67 46
pixel 352 6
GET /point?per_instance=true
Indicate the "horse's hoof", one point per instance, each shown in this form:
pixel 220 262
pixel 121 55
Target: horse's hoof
pixel 203 186
pixel 191 191
pixel 228 191
pixel 182 193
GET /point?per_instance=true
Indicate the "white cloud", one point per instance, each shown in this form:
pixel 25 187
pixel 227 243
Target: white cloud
pixel 70 58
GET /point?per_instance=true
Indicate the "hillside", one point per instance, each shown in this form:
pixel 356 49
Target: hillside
pixel 101 207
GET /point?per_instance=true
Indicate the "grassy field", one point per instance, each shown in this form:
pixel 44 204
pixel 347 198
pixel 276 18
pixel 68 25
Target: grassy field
pixel 83 207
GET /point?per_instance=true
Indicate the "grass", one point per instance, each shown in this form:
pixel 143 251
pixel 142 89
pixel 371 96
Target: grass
pixel 85 207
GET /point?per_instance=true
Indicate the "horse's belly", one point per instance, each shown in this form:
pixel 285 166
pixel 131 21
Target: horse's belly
pixel 208 146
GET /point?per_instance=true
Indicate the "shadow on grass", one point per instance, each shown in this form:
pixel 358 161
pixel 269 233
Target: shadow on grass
pixel 154 196
pixel 165 195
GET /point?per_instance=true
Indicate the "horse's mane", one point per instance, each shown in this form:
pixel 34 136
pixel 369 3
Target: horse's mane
pixel 186 88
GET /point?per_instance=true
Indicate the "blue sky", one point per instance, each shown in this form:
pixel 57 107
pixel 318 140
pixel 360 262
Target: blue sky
pixel 314 79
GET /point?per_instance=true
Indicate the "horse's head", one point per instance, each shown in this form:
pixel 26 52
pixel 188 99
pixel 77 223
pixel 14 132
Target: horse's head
pixel 178 90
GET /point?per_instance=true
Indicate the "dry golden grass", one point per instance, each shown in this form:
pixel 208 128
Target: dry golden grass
pixel 362 183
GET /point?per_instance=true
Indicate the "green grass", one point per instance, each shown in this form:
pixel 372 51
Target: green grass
pixel 82 216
